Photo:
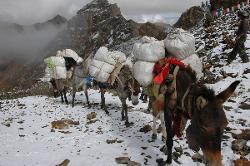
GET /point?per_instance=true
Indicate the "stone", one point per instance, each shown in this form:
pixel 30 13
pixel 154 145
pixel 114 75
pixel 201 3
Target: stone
pixel 239 144
pixel 122 160
pixel 145 128
pixel 64 163
pixel 133 163
pixel 91 116
pixel 197 157
pixel 245 106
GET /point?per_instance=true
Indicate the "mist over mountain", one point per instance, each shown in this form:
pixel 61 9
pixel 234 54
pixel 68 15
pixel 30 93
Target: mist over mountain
pixel 98 23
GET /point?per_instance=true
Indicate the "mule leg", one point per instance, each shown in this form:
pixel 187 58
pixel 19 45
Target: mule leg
pixel 149 105
pixel 163 127
pixel 87 96
pixel 154 135
pixel 103 105
pixel 73 96
pixel 125 108
pixel 65 96
pixel 123 114
pixel 168 124
pixel 61 94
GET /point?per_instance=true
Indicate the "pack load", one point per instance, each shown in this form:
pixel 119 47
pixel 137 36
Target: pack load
pixel 145 55
pixel 180 43
pixel 56 67
pixel 195 63
pixel 70 54
pixel 104 63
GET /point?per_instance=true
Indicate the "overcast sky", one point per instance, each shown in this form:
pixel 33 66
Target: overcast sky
pixel 32 11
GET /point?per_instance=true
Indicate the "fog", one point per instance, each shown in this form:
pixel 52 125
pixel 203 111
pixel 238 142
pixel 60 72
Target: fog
pixel 26 44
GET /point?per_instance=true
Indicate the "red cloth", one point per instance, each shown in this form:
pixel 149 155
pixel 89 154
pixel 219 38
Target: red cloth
pixel 162 72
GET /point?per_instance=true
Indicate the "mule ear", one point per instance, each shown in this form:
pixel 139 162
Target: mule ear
pixel 201 102
pixel 224 95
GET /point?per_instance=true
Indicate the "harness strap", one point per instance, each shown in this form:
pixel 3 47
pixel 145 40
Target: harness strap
pixel 183 100
pixel 173 84
pixel 119 80
pixel 114 74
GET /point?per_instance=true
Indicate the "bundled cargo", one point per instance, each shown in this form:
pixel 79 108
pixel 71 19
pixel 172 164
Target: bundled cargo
pixel 104 63
pixel 145 55
pixel 111 57
pixel 180 43
pixel 151 51
pixel 70 53
pixel 195 63
pixel 56 67
pixel 143 72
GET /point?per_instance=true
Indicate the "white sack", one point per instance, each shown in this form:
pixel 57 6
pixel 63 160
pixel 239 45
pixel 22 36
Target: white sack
pixel 149 52
pixel 180 43
pixel 147 39
pixel 195 63
pixel 70 53
pixel 103 66
pixel 98 74
pixel 143 72
pixel 111 57
pixel 60 73
pixel 93 71
pixel 55 61
pixel 119 57
pixel 100 70
pixel 56 67
pixel 103 76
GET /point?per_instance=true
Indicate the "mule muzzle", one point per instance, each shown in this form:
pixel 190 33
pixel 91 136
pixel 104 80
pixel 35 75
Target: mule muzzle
pixel 213 158
pixel 135 99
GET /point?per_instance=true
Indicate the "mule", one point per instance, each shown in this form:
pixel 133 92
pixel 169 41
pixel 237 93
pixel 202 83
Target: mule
pixel 76 82
pixel 204 108
pixel 124 86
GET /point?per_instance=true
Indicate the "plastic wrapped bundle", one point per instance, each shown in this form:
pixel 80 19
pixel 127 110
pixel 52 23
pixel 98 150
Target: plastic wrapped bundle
pixel 70 53
pixel 180 43
pixel 149 52
pixel 111 57
pixel 195 63
pixel 143 72
pixel 56 67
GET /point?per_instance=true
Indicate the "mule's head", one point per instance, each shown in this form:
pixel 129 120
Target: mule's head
pixel 208 123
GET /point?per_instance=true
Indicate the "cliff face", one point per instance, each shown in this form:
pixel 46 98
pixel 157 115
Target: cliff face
pixel 190 18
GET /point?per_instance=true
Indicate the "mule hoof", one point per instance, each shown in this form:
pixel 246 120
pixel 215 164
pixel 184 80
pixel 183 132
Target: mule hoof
pixel 164 149
pixel 123 118
pixel 163 138
pixel 127 124
pixel 106 112
pixel 154 137
pixel 169 161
